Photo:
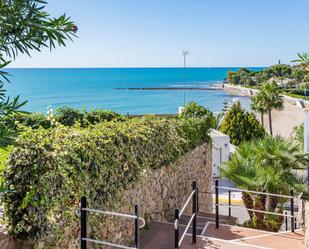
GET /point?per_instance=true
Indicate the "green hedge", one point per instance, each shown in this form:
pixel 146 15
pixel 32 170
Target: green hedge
pixel 50 169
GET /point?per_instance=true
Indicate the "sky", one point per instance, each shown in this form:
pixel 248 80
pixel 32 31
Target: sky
pixel 153 33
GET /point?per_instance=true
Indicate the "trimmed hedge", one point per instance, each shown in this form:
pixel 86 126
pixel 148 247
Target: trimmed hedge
pixel 50 169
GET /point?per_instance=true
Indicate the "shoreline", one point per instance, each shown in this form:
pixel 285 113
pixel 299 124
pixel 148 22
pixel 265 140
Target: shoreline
pixel 285 121
pixel 168 88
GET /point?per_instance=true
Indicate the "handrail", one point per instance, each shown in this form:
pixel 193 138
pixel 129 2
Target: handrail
pixel 254 210
pixel 186 204
pixel 110 213
pixel 83 221
pixel 113 213
pixel 108 243
pixel 186 230
pixel 230 206
pixel 178 214
pixel 254 192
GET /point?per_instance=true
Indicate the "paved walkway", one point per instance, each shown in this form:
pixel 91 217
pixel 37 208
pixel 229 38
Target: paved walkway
pixel 161 236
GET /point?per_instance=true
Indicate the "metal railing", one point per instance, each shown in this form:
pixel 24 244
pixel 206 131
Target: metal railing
pixel 230 206
pixel 178 214
pixel 83 224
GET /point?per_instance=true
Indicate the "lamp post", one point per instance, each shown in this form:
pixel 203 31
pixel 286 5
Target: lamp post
pixel 185 53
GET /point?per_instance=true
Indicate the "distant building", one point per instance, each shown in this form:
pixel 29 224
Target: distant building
pixel 281 82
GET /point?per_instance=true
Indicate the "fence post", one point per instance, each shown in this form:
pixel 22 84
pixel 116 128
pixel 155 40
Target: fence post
pixel 194 212
pixel 217 204
pixel 197 200
pixel 83 223
pixel 136 235
pixel 286 221
pixel 230 209
pixel 176 228
pixel 292 211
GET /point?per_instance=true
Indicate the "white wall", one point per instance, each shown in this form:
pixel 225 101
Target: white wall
pixel 220 150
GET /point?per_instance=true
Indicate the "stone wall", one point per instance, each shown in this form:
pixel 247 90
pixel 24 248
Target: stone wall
pixel 305 220
pixel 157 193
pixel 161 191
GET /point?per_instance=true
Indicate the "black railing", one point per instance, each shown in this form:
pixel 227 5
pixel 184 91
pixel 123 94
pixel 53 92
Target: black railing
pixel 83 225
pixel 230 206
pixel 179 213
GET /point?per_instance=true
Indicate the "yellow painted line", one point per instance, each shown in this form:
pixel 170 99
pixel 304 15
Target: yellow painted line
pixel 226 201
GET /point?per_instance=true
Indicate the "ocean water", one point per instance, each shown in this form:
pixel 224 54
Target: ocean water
pixel 94 88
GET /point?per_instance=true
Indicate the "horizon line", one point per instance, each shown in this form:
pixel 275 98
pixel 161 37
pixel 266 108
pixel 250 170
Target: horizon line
pixel 140 67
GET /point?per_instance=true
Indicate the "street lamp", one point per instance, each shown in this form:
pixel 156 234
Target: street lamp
pixel 185 53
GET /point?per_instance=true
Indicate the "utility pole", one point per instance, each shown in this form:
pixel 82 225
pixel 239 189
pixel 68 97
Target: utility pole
pixel 185 53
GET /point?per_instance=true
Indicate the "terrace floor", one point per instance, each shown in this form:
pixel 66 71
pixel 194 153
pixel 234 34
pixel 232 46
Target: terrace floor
pixel 161 236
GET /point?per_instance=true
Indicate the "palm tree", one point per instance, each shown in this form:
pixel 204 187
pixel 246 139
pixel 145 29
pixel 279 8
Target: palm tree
pixel 303 60
pixel 271 100
pixel 266 165
pixel 258 106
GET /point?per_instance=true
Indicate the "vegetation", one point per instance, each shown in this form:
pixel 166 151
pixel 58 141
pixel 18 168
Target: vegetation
pixel 258 105
pixel 292 79
pixel 241 125
pixel 268 99
pixel 193 110
pixel 66 116
pixel 99 161
pixel 303 60
pixel 25 26
pixel 266 165
pixel 299 136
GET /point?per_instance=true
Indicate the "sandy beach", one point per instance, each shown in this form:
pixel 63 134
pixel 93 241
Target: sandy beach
pixel 284 122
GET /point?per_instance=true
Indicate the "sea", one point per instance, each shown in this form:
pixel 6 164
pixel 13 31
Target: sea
pixel 119 89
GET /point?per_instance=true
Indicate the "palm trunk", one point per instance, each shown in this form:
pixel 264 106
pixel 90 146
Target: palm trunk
pixel 248 203
pixel 270 122
pixel 275 222
pixel 259 204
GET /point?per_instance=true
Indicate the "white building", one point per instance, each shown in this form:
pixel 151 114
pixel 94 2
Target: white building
pixel 220 150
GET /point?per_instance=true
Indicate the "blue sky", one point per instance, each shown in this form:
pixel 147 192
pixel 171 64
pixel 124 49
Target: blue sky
pixel 152 33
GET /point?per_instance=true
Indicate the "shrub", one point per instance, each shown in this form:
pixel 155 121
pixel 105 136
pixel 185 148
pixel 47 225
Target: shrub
pixel 66 115
pixel 49 170
pixel 193 110
pixel 241 125
pixel 69 116
pixel 299 135
pixel 97 116
pixel 33 120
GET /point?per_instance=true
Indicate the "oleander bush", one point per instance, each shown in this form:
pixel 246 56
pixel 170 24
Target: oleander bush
pixel 50 169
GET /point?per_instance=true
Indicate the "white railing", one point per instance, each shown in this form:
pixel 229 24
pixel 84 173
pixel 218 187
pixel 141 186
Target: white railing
pixel 178 214
pixel 83 221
